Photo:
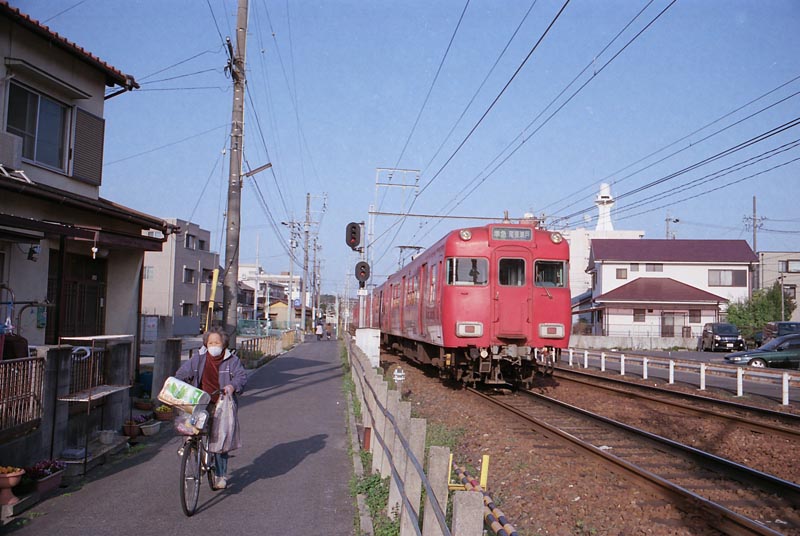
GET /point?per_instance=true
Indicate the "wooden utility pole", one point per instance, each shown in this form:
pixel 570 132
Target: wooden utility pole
pixel 237 71
pixel 304 286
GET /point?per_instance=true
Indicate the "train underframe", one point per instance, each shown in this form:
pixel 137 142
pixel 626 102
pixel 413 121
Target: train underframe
pixel 499 364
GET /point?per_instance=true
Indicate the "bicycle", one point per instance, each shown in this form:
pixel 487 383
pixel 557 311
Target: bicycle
pixel 196 460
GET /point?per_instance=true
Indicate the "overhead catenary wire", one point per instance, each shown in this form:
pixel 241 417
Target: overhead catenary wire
pixel 477 124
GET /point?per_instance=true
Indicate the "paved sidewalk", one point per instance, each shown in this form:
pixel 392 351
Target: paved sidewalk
pixel 290 477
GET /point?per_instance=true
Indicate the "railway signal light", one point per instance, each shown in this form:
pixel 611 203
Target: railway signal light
pixel 362 272
pixel 353 235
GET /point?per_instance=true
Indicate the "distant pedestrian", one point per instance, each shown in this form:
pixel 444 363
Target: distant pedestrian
pixel 319 332
pixel 215 368
pixel 328 331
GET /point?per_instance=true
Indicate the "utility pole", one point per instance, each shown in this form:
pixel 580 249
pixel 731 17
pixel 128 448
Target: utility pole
pixel 756 223
pixel 237 70
pixel 304 286
pixel 669 220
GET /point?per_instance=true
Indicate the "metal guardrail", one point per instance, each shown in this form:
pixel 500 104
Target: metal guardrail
pixel 593 359
pixel 21 385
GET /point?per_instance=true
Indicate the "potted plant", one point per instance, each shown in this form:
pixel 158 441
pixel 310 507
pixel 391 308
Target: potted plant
pixel 164 412
pixel 131 427
pixel 143 402
pixel 46 474
pixel 9 477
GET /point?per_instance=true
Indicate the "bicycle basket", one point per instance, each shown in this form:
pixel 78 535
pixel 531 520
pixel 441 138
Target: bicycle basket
pixel 190 424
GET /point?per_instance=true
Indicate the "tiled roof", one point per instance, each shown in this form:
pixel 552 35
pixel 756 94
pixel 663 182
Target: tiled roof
pixel 658 290
pixel 113 75
pixel 649 250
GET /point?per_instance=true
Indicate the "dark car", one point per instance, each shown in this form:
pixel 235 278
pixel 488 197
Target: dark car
pixel 721 336
pixel 781 352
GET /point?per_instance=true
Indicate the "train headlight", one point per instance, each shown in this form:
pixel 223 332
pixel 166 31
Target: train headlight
pixel 465 234
pixel 469 329
pixel 551 331
pixel 556 238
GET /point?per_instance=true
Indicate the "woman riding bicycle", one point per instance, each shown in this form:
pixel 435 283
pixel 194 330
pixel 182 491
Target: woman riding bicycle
pixel 215 368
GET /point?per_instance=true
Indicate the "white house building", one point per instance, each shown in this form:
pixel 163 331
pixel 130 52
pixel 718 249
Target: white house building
pixel 665 288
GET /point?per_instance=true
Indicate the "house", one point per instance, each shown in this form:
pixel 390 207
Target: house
pixel 783 267
pixel 178 281
pixel 70 260
pixel 664 288
pixel 276 299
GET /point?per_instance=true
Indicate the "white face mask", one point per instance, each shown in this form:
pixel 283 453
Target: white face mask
pixel 216 351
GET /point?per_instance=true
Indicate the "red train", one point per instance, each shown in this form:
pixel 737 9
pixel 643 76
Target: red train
pixel 484 305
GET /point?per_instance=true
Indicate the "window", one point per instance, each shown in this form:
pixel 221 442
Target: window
pixel 727 278
pixel 790 291
pixel 187 309
pixel 654 267
pixel 201 245
pixel 208 275
pixel 188 275
pixel 190 242
pixel 694 316
pixel 789 266
pixel 552 274
pixel 638 315
pixel 622 273
pixel 432 292
pixel 634 267
pixel 149 272
pixel 467 271
pixel 511 272
pixel 41 123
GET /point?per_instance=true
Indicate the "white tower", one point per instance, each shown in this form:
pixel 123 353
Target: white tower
pixel 604 202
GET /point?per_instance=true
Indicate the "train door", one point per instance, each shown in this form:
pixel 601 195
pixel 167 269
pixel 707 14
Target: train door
pixel 512 293
pixel 422 299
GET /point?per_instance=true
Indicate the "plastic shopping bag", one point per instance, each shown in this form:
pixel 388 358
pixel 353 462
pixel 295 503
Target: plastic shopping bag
pixel 224 427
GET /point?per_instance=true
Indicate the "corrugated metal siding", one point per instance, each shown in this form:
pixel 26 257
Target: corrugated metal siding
pixel 87 160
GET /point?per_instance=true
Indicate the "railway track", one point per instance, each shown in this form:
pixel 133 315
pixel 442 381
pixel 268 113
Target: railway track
pixel 733 498
pixel 756 419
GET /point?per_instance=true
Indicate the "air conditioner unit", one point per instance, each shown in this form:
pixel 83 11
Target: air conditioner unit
pixel 10 151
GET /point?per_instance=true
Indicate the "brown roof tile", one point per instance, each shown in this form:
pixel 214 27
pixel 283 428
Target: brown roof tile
pixel 113 75
pixel 652 250
pixel 658 289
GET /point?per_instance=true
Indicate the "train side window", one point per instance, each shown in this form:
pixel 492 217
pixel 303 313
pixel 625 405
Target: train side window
pixel 464 271
pixel 550 274
pixel 511 272
pixel 432 290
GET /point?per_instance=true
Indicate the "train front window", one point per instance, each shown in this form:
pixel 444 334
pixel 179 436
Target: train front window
pixel 466 271
pixel 511 272
pixel 550 274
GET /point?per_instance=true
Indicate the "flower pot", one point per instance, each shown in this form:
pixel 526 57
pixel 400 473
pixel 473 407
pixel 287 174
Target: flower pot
pixel 107 436
pixel 8 481
pixel 49 483
pixel 130 430
pixel 144 405
pixel 165 415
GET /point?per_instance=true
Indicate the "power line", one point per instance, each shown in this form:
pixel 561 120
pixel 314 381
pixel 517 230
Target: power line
pixel 433 83
pixel 165 145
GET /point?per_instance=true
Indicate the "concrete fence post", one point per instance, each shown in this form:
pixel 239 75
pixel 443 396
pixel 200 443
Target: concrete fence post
pixel 467 513
pixel 392 404
pixel 412 479
pixel 166 362
pixel 381 389
pixel 438 476
pixel 400 456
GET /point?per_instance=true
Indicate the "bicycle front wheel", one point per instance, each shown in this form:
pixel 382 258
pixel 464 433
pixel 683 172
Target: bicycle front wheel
pixel 190 477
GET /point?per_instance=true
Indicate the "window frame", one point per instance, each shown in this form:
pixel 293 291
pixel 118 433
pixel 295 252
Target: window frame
pixel 640 315
pixel 733 278
pixel 67 114
pixel 564 274
pixel 622 273
pixel 452 272
pixel 521 282
pixel 191 272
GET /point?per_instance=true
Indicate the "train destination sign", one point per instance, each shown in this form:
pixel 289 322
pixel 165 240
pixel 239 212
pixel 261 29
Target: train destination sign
pixel 511 233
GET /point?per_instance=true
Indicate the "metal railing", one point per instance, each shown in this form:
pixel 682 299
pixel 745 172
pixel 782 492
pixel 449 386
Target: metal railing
pixel 86 369
pixel 21 385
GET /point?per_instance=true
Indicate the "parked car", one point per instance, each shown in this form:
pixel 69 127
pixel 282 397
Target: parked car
pixel 781 352
pixel 721 336
pixel 779 329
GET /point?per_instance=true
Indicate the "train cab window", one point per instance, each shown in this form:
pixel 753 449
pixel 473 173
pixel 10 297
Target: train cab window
pixel 511 272
pixel 465 271
pixel 550 274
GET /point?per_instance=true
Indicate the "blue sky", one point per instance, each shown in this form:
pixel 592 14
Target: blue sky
pixel 335 89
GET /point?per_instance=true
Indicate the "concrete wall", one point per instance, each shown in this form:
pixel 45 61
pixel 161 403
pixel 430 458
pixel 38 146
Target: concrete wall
pixel 632 343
